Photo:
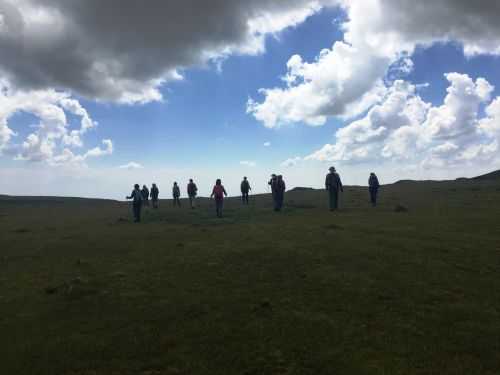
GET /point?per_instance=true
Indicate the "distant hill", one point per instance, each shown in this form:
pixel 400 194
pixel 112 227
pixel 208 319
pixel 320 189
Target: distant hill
pixel 492 176
pixel 399 182
pixel 298 188
pixel 50 199
pixel 485 177
pixel 489 176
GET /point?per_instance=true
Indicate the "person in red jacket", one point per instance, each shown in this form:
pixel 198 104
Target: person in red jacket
pixel 218 193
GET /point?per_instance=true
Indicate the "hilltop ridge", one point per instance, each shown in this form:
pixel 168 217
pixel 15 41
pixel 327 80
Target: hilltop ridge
pixel 488 176
pixel 491 176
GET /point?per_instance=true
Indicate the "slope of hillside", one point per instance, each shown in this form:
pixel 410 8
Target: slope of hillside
pixel 489 176
pixel 364 290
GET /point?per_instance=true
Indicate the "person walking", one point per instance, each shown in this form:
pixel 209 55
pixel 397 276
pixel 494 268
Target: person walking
pixel 218 193
pixel 155 193
pixel 176 193
pixel 245 189
pixel 272 182
pixel 373 186
pixel 136 203
pixel 333 185
pixel 145 195
pixel 192 191
pixel 272 185
pixel 279 193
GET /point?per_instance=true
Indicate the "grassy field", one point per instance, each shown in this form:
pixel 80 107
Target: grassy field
pixel 85 291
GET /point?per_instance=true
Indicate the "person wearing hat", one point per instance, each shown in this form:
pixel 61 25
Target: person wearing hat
pixel 272 184
pixel 245 189
pixel 137 202
pixel 373 186
pixel 155 192
pixel 334 186
pixel 279 193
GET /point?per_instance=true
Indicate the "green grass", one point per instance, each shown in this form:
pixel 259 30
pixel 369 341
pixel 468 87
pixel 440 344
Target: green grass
pixel 83 290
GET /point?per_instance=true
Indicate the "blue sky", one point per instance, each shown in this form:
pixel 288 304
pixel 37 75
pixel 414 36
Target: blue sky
pixel 205 114
pixel 419 123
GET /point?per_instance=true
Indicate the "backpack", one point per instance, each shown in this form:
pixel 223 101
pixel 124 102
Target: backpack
pixel 219 192
pixel 333 181
pixel 192 189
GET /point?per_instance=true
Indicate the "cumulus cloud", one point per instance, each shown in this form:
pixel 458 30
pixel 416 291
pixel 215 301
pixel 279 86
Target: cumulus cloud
pixel 124 51
pixel 343 80
pixel 98 151
pixel 396 25
pixel 490 125
pixel 248 163
pixel 347 79
pixel 357 140
pixel 131 166
pixel 292 162
pixel 54 135
pixel 404 127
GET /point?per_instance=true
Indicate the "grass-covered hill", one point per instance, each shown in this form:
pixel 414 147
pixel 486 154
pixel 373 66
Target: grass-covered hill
pixel 489 176
pixel 365 290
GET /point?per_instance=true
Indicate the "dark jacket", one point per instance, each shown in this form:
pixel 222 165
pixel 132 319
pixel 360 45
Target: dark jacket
pixel 279 187
pixel 176 191
pixel 333 182
pixel 145 193
pixel 245 186
pixel 373 182
pixel 136 195
pixel 155 193
pixel 192 189
pixel 272 182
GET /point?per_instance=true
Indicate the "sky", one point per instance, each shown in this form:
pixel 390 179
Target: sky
pixel 96 96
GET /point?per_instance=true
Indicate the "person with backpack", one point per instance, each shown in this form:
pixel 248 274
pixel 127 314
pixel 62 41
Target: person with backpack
pixel 136 203
pixel 279 189
pixel 145 195
pixel 218 193
pixel 373 186
pixel 176 193
pixel 333 185
pixel 272 183
pixel 245 189
pixel 192 191
pixel 155 193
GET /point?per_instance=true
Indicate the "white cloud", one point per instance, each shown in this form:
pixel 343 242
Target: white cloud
pixel 248 163
pixel 457 117
pixel 490 125
pixel 131 166
pixel 90 49
pixel 357 141
pixel 93 49
pixel 396 25
pixel 403 126
pixel 97 151
pixel 267 144
pixel 346 80
pixel 292 162
pixel 52 139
